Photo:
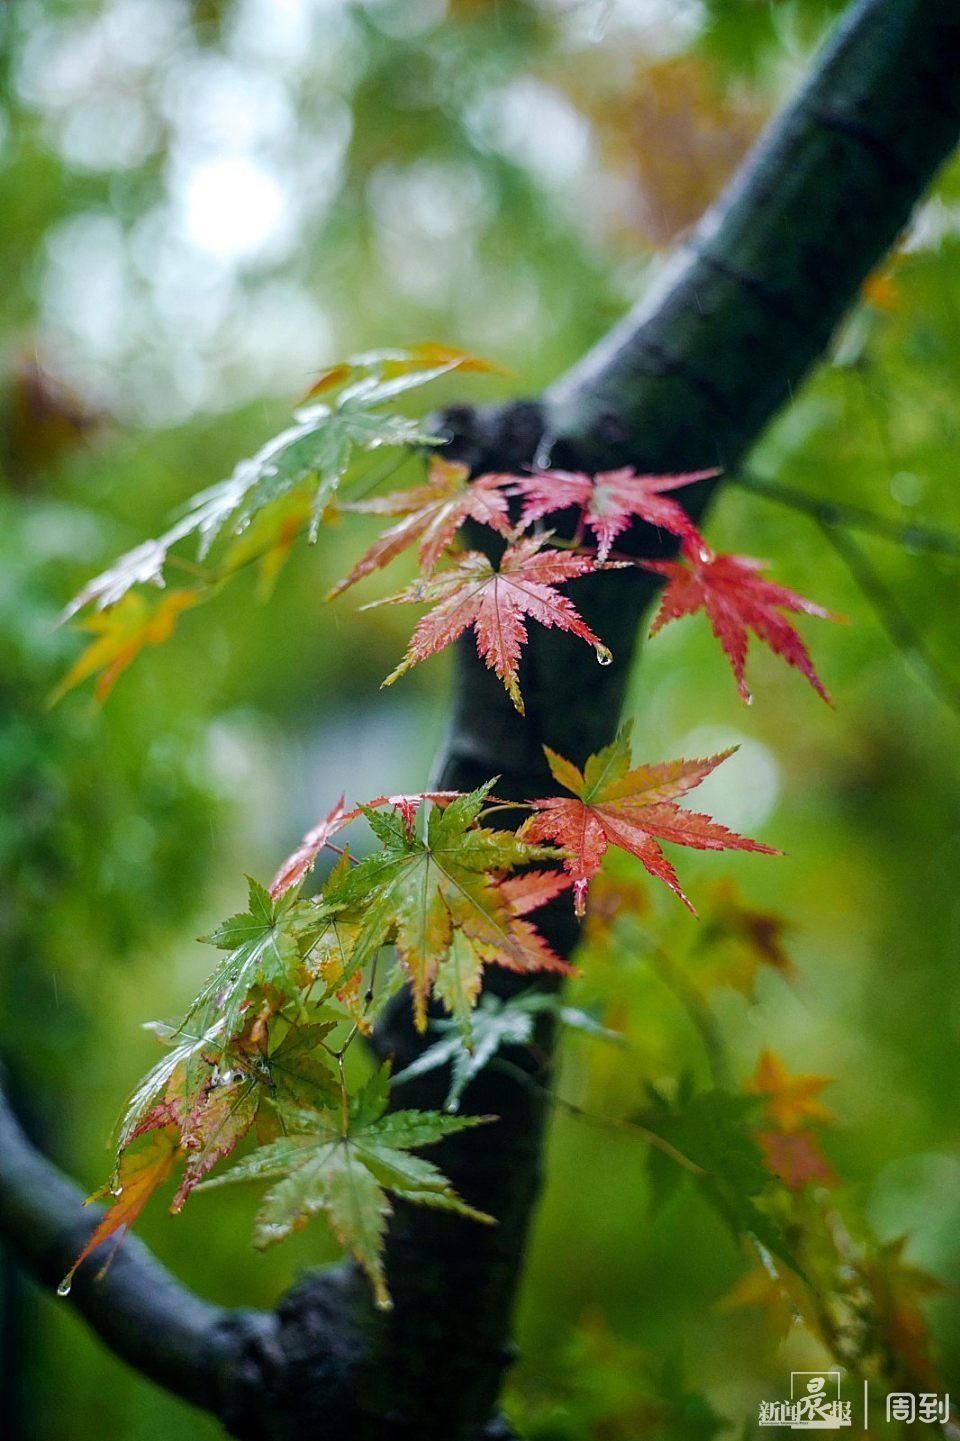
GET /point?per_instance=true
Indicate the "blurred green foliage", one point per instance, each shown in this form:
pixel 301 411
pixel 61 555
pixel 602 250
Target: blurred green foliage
pixel 205 203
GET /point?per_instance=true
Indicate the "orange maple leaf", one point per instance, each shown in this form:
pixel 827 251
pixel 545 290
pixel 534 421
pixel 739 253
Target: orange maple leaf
pixel 630 808
pixel 121 632
pixel 142 1170
pixel 789 1100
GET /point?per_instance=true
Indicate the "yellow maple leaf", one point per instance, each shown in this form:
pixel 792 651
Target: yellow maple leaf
pixel 120 633
pixel 142 1170
pixel 789 1100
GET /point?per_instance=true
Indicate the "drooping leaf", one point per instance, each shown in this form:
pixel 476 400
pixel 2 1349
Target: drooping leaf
pixel 142 1169
pixel 634 808
pixel 301 861
pixel 310 456
pixel 496 603
pixel 737 600
pixel 610 501
pixel 431 516
pixel 346 1172
pixel 419 893
pixel 494 1024
pixel 120 634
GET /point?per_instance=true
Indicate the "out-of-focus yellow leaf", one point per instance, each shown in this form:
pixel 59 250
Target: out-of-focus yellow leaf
pixel 789 1100
pixel 120 634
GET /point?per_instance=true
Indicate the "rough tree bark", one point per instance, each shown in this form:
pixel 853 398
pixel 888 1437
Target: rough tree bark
pixel 686 381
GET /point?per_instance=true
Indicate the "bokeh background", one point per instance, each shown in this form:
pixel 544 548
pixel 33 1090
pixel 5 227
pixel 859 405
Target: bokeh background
pixel 203 203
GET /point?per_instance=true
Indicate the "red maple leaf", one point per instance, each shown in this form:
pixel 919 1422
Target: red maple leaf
pixel 496 603
pixel 302 860
pixel 737 599
pixel 525 893
pixel 432 515
pixel 609 501
pixel 633 808
pixel 796 1159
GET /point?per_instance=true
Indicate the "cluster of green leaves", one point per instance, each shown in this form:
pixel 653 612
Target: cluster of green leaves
pixel 263 1046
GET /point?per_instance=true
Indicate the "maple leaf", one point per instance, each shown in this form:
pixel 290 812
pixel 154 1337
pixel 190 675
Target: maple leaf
pixel 419 894
pixel 346 1170
pixel 609 501
pixel 301 861
pixel 432 515
pixel 142 1170
pixel 737 600
pixel 789 1100
pixel 496 602
pixel 796 1159
pixel 737 940
pixel 263 951
pixel 311 455
pixel 120 634
pixel 495 1023
pixel 630 808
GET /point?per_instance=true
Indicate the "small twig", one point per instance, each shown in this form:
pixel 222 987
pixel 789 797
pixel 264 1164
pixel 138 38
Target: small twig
pixel 700 1014
pixel 894 619
pixel 570 1108
pixel 854 517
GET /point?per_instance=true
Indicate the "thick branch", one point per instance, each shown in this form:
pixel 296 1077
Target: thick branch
pixel 137 1308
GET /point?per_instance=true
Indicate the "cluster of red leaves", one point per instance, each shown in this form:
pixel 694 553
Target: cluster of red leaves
pixel 497 600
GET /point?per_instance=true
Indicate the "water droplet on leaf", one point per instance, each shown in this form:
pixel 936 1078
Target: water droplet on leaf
pixel 604 656
pixel 64 1288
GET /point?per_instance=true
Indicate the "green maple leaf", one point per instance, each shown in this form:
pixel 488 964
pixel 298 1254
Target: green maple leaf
pixel 346 1167
pixel 712 1131
pixel 314 453
pixel 494 1024
pixel 420 894
pixel 263 952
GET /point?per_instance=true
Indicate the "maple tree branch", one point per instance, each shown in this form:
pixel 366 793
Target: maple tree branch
pixel 144 1315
